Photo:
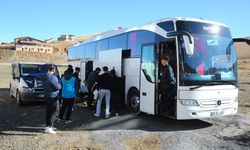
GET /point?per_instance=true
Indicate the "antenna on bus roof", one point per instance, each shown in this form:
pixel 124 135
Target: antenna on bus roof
pixel 118 28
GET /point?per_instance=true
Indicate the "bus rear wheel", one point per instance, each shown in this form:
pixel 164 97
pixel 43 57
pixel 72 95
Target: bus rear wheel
pixel 134 101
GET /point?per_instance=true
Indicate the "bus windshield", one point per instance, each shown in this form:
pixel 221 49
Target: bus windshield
pixel 214 57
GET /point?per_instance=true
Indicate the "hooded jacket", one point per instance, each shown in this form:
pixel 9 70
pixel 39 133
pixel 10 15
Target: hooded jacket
pixel 51 86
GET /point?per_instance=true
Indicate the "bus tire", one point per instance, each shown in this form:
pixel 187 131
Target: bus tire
pixel 19 101
pixel 134 101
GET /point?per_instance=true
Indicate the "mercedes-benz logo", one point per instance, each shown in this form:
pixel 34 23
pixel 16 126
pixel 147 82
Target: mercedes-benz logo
pixel 219 102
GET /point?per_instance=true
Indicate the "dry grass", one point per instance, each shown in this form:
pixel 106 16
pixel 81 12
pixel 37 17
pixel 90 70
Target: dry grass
pixel 243 50
pixel 68 141
pixel 148 142
pixel 82 38
pixel 4 75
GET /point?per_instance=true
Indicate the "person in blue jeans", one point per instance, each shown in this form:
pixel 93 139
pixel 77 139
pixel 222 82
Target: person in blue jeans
pixel 69 94
pixel 104 84
pixel 51 89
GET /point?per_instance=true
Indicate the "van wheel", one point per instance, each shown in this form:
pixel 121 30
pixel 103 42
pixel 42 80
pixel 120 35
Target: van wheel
pixel 134 101
pixel 10 92
pixel 19 101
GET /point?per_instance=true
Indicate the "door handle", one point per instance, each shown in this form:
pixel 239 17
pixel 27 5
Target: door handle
pixel 144 94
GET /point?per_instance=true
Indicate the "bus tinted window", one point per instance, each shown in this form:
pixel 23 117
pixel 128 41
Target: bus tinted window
pixel 72 53
pixel 167 26
pixel 101 45
pixel 90 50
pixel 119 41
pixel 136 39
pixel 80 52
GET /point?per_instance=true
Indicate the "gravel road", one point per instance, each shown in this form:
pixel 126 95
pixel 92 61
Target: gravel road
pixel 22 128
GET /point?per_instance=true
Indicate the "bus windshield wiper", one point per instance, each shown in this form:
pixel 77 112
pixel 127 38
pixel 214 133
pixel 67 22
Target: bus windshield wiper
pixel 217 82
pixel 227 82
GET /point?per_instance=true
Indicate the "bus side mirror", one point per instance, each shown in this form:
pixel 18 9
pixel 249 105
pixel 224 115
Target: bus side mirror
pixel 189 45
pixel 188 40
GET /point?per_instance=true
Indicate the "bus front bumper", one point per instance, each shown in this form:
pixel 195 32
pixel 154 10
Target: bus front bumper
pixel 197 112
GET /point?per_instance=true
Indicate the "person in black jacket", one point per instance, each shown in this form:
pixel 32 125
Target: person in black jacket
pixel 116 88
pixel 51 90
pixel 92 79
pixel 166 83
pixel 104 84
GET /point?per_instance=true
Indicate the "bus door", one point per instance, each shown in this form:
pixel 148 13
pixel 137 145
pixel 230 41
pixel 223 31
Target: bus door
pixel 86 69
pixel 167 106
pixel 147 79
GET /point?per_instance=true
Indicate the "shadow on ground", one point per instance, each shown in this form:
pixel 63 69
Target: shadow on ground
pixel 30 119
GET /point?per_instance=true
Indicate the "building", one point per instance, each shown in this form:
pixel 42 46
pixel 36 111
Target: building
pixel 48 40
pixel 66 37
pixel 30 44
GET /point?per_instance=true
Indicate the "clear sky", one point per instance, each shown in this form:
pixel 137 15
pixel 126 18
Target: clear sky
pixel 44 19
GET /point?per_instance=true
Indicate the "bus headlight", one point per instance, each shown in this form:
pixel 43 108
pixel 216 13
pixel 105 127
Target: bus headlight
pixel 189 102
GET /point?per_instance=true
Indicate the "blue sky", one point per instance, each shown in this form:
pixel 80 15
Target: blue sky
pixel 45 19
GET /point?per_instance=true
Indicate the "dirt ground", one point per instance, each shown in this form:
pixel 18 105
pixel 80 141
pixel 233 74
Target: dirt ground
pixel 22 128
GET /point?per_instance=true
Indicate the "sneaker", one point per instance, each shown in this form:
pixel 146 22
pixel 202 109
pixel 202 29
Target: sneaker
pixel 116 114
pixel 107 116
pixel 49 130
pixel 60 120
pixel 96 115
pixel 53 128
pixel 68 121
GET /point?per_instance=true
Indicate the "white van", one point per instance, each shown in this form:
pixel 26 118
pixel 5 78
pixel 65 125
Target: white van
pixel 26 81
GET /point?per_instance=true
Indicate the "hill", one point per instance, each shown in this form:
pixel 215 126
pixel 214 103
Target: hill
pixel 243 50
pixel 60 53
pixel 61 46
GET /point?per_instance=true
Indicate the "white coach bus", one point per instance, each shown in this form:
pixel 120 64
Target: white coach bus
pixel 201 54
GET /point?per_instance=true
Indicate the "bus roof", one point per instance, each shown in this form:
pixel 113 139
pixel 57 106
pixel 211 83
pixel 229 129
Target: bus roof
pixel 151 26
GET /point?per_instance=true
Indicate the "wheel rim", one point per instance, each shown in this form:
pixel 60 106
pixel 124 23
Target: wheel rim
pixel 135 103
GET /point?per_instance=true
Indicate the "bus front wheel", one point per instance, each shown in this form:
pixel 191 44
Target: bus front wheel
pixel 134 101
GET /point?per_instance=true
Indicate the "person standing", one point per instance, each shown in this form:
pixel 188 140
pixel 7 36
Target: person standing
pixel 76 73
pixel 78 80
pixel 115 92
pixel 60 94
pixel 92 79
pixel 166 83
pixel 69 94
pixel 51 90
pixel 104 84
